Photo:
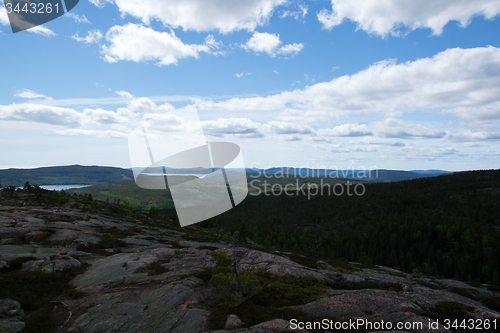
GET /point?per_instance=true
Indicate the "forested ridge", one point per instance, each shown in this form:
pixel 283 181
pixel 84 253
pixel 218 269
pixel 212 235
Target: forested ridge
pixel 447 226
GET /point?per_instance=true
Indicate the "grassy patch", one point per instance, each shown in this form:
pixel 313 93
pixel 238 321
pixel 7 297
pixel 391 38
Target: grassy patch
pixel 17 263
pixel 430 285
pixel 366 285
pixel 210 248
pixel 204 275
pixel 100 248
pixel 156 268
pixel 276 293
pixel 466 292
pixel 61 218
pixel 35 291
pixel 450 310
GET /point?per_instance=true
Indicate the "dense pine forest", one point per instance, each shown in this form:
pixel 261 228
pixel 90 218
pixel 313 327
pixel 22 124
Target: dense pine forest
pixel 447 226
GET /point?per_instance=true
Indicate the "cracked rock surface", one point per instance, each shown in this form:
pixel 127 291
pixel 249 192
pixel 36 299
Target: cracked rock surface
pixel 143 275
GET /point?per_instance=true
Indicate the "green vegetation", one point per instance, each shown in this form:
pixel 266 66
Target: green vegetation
pixel 35 291
pixel 446 226
pixel 131 195
pixel 61 175
pixel 256 296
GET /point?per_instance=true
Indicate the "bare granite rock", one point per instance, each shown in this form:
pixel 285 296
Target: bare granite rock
pixel 51 264
pixel 168 308
pixel 233 322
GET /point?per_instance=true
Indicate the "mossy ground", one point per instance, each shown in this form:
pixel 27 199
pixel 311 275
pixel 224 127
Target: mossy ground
pixel 37 292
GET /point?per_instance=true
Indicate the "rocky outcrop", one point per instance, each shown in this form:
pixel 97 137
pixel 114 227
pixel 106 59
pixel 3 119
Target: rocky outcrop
pixel 157 279
pixel 51 264
pixel 10 316
pixel 233 322
pixel 157 309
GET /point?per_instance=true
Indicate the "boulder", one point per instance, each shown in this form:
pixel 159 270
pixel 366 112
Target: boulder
pixel 58 263
pixel 233 322
pixel 10 316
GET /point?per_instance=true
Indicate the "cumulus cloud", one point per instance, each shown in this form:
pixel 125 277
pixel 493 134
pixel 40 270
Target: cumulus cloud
pixel 488 112
pixel 40 29
pixel 387 17
pixel 346 130
pixel 460 80
pixel 105 117
pixel 30 94
pixel 101 134
pixel 41 114
pixel 145 105
pixel 93 36
pixel 4 18
pixel 263 42
pixel 395 128
pixel 239 127
pixel 222 15
pixel 474 136
pixel 135 42
pixel 284 128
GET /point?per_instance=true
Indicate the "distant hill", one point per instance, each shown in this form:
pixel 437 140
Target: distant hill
pixel 64 175
pixel 431 172
pixel 366 175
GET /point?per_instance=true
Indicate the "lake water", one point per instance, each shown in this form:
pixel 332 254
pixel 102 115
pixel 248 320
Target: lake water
pixel 60 187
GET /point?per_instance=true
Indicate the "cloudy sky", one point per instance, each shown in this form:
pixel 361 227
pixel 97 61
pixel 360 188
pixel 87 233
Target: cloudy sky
pixel 395 84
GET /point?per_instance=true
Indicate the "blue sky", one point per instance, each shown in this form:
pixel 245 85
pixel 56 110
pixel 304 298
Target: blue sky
pixel 396 84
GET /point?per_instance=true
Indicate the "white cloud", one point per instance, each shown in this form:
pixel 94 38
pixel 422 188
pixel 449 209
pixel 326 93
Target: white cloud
pixel 4 18
pixel 222 15
pixel 241 74
pixel 100 3
pixel 474 136
pixel 455 79
pixel 105 117
pixel 346 130
pixel 30 94
pixel 125 94
pixel 145 105
pixel 239 127
pixel 78 18
pixel 41 114
pixel 263 42
pixel 93 36
pixel 395 128
pixel 486 112
pixel 388 17
pixel 101 134
pixel 41 30
pixel 134 42
pixel 284 128
pixel 296 14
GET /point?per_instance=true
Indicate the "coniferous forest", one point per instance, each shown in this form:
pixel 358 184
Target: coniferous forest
pixel 447 226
